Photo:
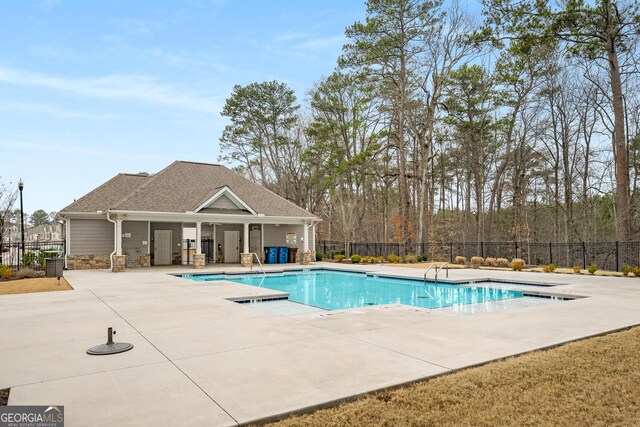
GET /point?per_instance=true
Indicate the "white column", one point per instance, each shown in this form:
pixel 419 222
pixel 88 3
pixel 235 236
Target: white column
pixel 148 237
pixel 246 238
pixel 198 238
pixel 313 234
pixel 67 241
pixel 306 237
pixel 118 237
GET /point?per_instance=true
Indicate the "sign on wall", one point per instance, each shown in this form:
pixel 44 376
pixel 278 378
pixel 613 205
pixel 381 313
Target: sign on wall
pixel 291 238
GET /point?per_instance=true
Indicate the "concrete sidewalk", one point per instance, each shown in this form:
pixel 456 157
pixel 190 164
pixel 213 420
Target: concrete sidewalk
pixel 200 359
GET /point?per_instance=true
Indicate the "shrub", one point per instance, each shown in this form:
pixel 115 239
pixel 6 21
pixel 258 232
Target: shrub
pixel 381 259
pixel 338 257
pixel 28 259
pixel 409 258
pixel 549 268
pixel 626 269
pixel 490 261
pixel 577 269
pixel 393 258
pixel 477 261
pixel 27 273
pixel 5 272
pixel 355 258
pixel 502 262
pixel 517 264
pixel 319 256
pixel 461 260
pixel 636 271
pixel 592 269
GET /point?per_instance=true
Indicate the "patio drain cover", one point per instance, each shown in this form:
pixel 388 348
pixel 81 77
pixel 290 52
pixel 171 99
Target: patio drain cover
pixel 110 347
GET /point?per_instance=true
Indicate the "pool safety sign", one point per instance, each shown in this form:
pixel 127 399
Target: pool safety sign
pixel 291 238
pixel 32 416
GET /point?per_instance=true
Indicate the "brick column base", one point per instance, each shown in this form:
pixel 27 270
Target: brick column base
pixel 198 261
pixel 119 262
pixel 246 260
pixel 307 257
pixel 145 261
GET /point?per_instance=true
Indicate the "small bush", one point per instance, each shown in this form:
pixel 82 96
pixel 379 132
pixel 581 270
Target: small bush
pixel 5 272
pixel 502 262
pixel 490 261
pixel 319 256
pixel 592 269
pixel 393 258
pixel 461 260
pixel 517 264
pixel 477 261
pixel 27 273
pixel 338 257
pixel 355 258
pixel 577 269
pixel 28 259
pixel 409 258
pixel 636 271
pixel 626 269
pixel 381 259
pixel 549 268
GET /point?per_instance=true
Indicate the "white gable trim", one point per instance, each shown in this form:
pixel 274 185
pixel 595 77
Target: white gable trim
pixel 226 191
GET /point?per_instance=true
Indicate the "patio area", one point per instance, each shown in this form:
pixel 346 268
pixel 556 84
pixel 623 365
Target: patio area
pixel 200 359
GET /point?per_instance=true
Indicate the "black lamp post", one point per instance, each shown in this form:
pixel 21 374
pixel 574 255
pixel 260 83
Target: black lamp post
pixel 21 187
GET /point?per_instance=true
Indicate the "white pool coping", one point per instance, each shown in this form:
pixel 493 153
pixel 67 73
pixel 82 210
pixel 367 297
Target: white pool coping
pixel 200 359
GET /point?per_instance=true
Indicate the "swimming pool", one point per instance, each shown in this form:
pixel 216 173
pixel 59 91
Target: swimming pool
pixel 336 290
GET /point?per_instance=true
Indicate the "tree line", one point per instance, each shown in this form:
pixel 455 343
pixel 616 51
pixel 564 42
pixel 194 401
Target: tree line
pixel 520 125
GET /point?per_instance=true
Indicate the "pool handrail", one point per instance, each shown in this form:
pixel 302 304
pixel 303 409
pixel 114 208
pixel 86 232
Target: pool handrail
pixel 429 268
pixel 446 264
pixel 259 263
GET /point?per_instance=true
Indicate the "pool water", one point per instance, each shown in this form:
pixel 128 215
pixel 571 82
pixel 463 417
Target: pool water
pixel 333 290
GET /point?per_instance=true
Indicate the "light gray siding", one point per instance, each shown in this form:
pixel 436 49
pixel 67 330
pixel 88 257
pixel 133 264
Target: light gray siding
pixel 276 236
pixel 137 233
pixel 223 202
pixel 91 237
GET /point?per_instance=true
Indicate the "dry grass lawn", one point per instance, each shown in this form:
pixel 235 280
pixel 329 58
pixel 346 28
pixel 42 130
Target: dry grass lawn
pixel 585 383
pixel 40 284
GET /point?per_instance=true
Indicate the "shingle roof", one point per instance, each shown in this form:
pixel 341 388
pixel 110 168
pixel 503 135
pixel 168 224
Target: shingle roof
pixel 109 193
pixel 183 187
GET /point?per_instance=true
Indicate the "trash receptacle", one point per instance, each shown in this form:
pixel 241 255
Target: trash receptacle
pixel 283 254
pixel 54 267
pixel 292 254
pixel 271 255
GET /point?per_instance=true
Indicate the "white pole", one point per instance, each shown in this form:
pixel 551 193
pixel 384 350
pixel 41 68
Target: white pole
pixel 118 237
pixel 198 238
pixel 246 238
pixel 306 237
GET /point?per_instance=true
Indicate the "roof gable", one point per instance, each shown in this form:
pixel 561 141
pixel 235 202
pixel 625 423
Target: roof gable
pixel 224 198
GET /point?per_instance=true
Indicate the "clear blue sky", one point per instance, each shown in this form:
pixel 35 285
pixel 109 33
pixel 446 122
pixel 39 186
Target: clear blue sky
pixel 92 88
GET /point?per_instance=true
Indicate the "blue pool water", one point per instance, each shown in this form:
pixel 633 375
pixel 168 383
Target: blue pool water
pixel 333 290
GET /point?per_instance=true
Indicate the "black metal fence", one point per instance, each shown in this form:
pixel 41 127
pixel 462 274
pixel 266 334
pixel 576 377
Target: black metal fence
pixel 606 255
pixel 11 254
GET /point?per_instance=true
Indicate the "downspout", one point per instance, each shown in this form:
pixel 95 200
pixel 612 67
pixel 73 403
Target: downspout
pixel 115 239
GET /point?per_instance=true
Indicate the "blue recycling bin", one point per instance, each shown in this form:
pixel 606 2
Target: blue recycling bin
pixel 283 255
pixel 271 255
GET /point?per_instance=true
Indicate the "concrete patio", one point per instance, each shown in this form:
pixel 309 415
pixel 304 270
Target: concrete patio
pixel 200 359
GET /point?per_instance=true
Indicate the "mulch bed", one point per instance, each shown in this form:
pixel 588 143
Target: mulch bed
pixel 4 397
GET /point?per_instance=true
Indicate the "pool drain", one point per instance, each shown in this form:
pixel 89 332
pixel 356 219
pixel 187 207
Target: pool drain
pixel 110 347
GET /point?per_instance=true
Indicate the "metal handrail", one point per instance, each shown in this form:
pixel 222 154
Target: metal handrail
pixel 430 267
pixel 446 264
pixel 259 263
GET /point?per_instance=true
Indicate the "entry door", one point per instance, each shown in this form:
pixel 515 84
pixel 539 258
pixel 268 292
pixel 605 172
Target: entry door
pixel 231 243
pixel 162 247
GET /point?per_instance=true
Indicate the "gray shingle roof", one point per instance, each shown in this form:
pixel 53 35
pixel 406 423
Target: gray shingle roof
pixel 108 194
pixel 182 187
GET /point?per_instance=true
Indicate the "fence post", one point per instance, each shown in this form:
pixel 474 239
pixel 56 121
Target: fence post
pixel 550 254
pixel 617 256
pixel 584 255
pixel 482 249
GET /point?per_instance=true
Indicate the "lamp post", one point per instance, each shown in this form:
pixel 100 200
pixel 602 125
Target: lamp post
pixel 21 187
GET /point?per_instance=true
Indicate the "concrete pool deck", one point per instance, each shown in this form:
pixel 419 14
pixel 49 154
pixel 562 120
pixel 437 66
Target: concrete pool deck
pixel 200 359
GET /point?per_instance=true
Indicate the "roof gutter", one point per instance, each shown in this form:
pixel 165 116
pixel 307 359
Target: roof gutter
pixel 115 239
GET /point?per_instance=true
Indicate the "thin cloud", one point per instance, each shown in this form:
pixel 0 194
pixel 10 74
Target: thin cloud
pixel 22 107
pixel 115 87
pixel 321 43
pixel 76 150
